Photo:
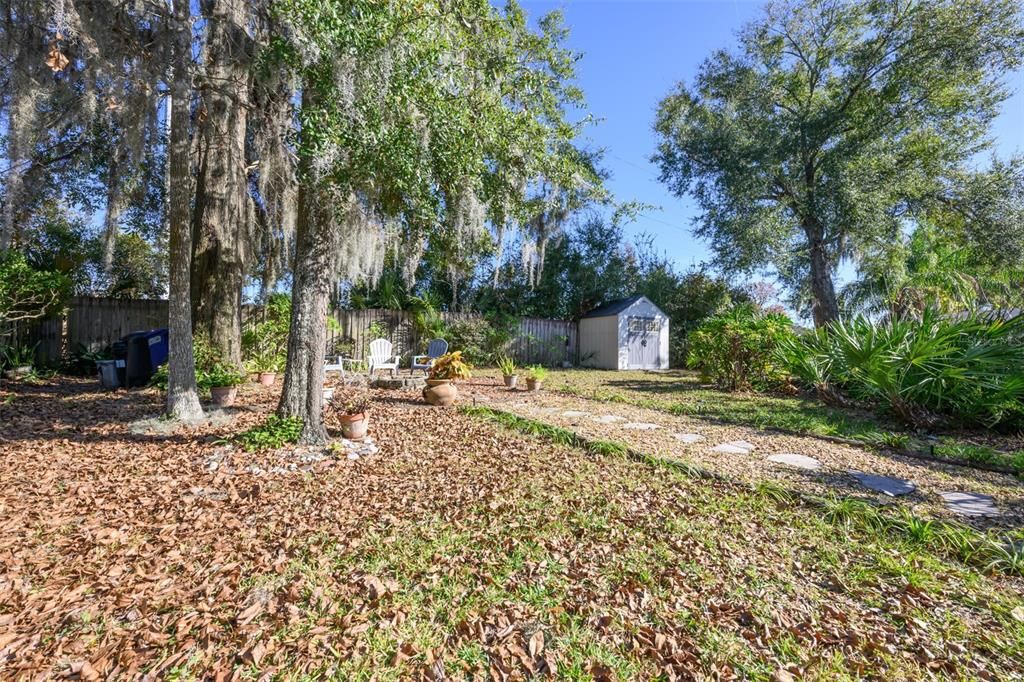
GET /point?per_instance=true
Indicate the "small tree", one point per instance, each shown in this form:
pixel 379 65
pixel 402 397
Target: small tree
pixel 27 293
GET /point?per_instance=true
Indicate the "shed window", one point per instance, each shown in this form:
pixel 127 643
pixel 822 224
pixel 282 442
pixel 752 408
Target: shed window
pixel 639 325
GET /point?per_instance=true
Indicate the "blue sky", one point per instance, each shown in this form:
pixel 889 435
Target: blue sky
pixel 634 51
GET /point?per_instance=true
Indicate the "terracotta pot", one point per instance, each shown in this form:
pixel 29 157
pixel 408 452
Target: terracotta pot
pixel 354 426
pixel 440 392
pixel 533 384
pixel 223 396
pixel 268 378
pixel 510 380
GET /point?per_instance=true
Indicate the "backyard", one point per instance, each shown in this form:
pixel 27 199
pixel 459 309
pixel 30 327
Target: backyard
pixel 473 544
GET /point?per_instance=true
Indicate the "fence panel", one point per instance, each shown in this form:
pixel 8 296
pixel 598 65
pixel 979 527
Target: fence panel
pixel 94 323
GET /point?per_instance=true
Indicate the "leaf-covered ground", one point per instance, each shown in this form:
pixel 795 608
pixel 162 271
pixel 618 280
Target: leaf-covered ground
pixel 459 551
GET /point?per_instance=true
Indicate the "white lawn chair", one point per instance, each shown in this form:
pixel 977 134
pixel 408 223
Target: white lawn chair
pixel 435 349
pixel 381 357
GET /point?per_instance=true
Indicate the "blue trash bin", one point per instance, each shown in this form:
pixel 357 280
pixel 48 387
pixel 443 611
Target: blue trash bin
pixel 157 340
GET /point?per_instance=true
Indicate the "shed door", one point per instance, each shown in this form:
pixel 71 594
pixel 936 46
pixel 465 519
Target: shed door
pixel 642 337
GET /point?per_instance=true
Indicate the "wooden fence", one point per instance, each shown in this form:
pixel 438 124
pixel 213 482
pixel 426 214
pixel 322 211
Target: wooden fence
pixel 94 323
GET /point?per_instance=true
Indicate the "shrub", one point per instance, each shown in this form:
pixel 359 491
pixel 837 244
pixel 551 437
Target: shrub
pixel 347 399
pixel 924 371
pixel 265 344
pixel 478 339
pixel 27 293
pixel 738 349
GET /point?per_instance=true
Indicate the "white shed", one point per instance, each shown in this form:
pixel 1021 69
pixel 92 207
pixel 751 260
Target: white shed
pixel 630 333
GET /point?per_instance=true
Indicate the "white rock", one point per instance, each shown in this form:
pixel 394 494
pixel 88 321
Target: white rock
pixel 794 460
pixel 730 449
pixel 689 437
pixel 641 426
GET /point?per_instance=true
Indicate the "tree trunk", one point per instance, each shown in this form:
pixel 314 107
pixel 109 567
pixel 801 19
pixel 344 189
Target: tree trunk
pixel 825 307
pixel 182 395
pixel 221 218
pixel 302 395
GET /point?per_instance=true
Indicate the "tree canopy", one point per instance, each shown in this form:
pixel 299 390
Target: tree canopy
pixel 836 123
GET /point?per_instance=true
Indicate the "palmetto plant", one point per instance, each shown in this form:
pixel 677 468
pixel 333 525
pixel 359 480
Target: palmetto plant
pixel 924 370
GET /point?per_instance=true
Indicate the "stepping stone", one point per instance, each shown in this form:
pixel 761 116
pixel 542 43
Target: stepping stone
pixel 689 437
pixel 970 504
pixel 609 419
pixel 730 449
pixel 887 485
pixel 574 414
pixel 641 426
pixel 794 460
pixel 742 444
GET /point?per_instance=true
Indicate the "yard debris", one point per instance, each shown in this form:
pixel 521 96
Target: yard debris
pixel 458 547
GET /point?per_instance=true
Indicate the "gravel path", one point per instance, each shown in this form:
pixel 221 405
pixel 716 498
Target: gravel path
pixel 742 453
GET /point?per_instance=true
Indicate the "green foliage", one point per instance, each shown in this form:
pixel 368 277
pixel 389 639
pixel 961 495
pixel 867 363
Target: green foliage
pixel 273 433
pixel 835 124
pixel 479 339
pixel 506 364
pixel 82 362
pixel 886 439
pixel 537 373
pixel 18 356
pixel 219 375
pixel 925 371
pixel 265 344
pixel 737 349
pixel 27 293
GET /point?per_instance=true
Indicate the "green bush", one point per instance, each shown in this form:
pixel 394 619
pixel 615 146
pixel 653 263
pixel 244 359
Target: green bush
pixel 479 340
pixel 27 293
pixel 737 349
pixel 925 371
pixel 265 343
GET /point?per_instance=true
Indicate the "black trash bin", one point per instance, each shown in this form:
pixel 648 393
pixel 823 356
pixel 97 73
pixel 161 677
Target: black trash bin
pixel 139 367
pixel 119 351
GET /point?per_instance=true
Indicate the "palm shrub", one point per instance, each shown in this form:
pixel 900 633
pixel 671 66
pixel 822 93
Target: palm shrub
pixel 925 371
pixel 265 343
pixel 738 349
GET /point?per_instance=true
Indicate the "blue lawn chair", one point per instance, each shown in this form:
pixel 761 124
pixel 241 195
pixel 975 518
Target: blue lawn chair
pixel 435 349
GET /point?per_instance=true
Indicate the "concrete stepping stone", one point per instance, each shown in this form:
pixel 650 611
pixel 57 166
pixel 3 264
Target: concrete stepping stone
pixel 970 504
pixel 689 437
pixel 609 419
pixel 574 414
pixel 641 426
pixel 742 444
pixel 730 449
pixel 795 460
pixel 887 485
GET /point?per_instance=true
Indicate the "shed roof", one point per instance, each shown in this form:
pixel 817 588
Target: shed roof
pixel 613 307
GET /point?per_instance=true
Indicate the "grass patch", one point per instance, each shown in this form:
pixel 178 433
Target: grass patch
pixel 682 394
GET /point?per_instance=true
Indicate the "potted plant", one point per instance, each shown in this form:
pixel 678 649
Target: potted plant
pixel 445 371
pixel 223 380
pixel 349 408
pixel 535 377
pixel 266 366
pixel 18 360
pixel 508 371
